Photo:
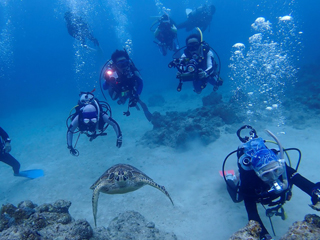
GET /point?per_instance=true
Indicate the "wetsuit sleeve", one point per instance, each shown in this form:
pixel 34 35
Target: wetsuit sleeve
pixel 139 82
pixel 211 66
pixel 252 211
pixel 156 32
pixel 3 134
pixel 109 120
pixel 300 181
pixel 174 29
pixel 248 183
pixel 73 126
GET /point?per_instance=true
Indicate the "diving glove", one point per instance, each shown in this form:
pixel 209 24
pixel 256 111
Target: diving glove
pixel 6 147
pixel 73 151
pixel 315 197
pixel 266 237
pixel 202 74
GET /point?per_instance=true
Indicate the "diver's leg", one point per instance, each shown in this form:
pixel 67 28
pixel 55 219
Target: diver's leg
pixel 197 86
pixel 213 82
pixel 11 161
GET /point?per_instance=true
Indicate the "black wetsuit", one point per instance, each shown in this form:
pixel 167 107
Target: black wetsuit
pixel 125 86
pixel 6 157
pixel 79 29
pixel 253 190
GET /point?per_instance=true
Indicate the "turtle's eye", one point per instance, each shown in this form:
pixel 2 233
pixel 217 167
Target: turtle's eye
pixel 111 176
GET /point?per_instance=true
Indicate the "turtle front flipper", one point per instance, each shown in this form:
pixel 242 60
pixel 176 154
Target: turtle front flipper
pixel 150 182
pixel 95 197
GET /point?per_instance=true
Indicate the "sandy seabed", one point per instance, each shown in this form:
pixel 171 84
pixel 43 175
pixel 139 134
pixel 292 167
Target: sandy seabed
pixel 203 208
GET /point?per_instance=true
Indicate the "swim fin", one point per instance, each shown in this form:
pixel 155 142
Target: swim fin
pixel 188 11
pixel 228 172
pixel 32 173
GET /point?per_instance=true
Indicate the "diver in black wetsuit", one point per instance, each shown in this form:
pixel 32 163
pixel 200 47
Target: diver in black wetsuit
pixel 264 177
pixel 5 149
pixel 200 17
pixel 79 29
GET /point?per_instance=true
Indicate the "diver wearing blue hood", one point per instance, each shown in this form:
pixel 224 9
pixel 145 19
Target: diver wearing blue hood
pixel 264 177
pixel 92 117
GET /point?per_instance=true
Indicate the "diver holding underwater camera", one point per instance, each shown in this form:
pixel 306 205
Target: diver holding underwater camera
pixel 197 64
pixel 266 178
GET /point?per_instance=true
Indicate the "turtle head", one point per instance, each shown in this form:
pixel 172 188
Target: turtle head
pixel 121 175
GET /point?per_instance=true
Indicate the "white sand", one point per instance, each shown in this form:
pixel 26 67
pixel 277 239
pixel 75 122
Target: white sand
pixel 203 208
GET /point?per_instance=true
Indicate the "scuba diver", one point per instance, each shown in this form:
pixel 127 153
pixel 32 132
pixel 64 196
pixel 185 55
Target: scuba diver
pixel 7 158
pixel 123 81
pixel 79 29
pixel 200 17
pixel 91 116
pixel 266 178
pixel 166 34
pixel 197 64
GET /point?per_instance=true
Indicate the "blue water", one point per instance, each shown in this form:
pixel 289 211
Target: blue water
pixel 41 65
pixel 38 58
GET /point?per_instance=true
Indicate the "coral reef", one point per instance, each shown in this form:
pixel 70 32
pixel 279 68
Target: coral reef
pixel 308 229
pixel 53 221
pixel 175 129
pixel 250 232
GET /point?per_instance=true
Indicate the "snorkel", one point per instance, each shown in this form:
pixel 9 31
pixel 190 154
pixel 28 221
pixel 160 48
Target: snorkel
pixel 278 186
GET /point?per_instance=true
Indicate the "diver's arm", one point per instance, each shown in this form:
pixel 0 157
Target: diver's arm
pixel 300 181
pixel 252 211
pixel 174 29
pixel 156 32
pixel 210 67
pixel 109 120
pixel 73 126
pixel 139 82
pixel 3 134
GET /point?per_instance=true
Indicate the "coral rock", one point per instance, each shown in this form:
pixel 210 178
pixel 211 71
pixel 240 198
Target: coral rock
pixel 308 229
pixel 250 232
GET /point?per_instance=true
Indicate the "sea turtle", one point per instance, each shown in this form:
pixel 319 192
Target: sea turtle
pixel 121 178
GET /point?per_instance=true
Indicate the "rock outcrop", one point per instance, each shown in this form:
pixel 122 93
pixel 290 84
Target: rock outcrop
pixel 53 221
pixel 308 229
pixel 175 129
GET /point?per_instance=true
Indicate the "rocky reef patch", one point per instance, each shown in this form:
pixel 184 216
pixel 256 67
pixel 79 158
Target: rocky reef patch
pixel 175 129
pixel 28 221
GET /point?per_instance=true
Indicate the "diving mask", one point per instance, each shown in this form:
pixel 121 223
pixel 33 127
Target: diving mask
pixel 123 63
pixel 193 46
pixel 88 120
pixel 89 115
pixel 271 172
